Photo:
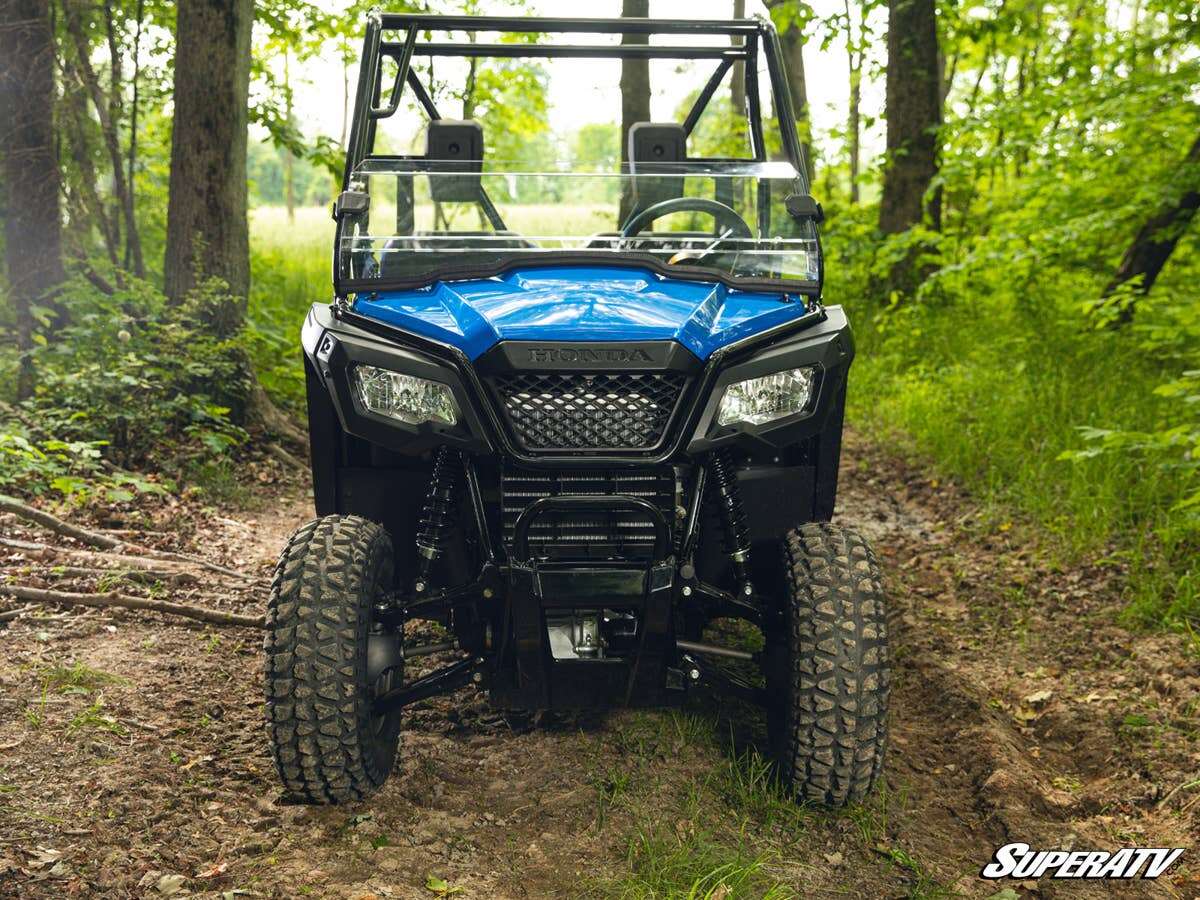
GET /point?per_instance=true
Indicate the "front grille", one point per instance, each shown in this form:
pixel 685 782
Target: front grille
pixel 587 535
pixel 551 411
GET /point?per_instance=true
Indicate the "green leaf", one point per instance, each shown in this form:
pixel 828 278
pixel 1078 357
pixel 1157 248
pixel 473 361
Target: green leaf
pixel 441 887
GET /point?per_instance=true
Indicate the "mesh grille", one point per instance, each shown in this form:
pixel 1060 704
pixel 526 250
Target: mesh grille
pixel 587 535
pixel 569 411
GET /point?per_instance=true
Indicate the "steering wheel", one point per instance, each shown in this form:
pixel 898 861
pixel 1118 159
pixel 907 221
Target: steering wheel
pixel 716 209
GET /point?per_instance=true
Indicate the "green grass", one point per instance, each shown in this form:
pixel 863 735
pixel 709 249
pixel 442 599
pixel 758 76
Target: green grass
pixel 290 270
pixel 665 865
pixel 715 823
pixel 992 381
pixel 94 718
pixel 77 678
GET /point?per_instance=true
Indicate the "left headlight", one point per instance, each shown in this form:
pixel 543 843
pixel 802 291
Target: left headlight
pixel 403 397
pixel 759 400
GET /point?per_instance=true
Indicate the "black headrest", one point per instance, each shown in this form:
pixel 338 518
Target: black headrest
pixel 459 142
pixel 656 142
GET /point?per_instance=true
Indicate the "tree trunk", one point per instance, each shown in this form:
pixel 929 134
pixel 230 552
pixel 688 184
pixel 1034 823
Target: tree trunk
pixel 345 95
pixel 85 206
pixel 791 39
pixel 737 87
pixel 854 56
pixel 1156 239
pixel 107 111
pixel 635 92
pixel 133 254
pixel 914 114
pixel 32 228
pixel 289 161
pixel 207 231
pixel 855 129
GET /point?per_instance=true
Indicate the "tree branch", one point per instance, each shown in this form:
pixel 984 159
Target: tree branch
pixel 57 525
pixel 113 562
pixel 125 601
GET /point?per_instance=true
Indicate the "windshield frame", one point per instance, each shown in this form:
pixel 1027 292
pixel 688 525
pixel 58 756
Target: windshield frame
pixel 757 36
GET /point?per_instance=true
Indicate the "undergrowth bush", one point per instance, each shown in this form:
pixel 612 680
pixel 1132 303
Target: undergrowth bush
pixel 997 373
pixel 133 382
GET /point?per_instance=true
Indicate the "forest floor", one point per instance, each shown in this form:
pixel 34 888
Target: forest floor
pixel 133 761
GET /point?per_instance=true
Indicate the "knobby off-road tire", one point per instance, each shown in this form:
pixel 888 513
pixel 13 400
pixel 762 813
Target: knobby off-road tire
pixel 830 718
pixel 328 748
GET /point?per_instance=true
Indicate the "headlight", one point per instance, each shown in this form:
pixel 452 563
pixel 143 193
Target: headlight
pixel 404 397
pixel 759 400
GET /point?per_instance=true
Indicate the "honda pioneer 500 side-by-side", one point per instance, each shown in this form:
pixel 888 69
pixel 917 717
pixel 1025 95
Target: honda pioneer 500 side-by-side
pixel 574 408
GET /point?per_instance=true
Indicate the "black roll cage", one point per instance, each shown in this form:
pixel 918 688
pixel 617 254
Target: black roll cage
pixel 757 36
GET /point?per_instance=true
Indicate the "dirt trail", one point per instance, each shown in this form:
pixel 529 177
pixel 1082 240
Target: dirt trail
pixel 1020 713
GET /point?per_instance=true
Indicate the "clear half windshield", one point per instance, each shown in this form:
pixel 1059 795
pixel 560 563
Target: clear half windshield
pixel 416 221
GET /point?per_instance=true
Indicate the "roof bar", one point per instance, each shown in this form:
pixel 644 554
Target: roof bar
pixel 555 51
pixel 529 25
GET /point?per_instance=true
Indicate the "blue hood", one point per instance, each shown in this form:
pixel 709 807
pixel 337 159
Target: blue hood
pixel 601 303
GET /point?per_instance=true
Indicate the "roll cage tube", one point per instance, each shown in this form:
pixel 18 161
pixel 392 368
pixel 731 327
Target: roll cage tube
pixel 757 36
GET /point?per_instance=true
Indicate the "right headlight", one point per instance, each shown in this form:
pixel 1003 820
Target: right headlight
pixel 403 397
pixel 770 397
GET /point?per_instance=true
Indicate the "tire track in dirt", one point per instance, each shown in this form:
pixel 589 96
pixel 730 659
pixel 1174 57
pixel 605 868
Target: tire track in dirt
pixel 995 735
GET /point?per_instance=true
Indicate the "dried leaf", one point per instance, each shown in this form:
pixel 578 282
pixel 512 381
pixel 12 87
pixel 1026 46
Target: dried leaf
pixel 213 871
pixel 44 856
pixel 170 884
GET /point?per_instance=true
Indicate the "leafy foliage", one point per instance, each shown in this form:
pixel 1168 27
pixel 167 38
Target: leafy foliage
pixel 132 382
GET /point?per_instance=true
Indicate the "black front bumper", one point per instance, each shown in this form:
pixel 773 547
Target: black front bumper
pixel 528 676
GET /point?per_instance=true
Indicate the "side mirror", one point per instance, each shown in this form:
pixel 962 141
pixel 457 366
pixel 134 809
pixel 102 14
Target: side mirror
pixel 803 206
pixel 353 203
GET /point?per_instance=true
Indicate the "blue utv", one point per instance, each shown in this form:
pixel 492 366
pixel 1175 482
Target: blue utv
pixel 575 415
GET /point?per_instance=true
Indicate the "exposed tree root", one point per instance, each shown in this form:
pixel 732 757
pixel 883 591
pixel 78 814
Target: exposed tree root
pixel 284 457
pixel 262 410
pixel 125 601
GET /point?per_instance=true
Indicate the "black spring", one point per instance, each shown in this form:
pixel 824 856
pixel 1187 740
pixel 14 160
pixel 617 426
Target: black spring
pixel 439 521
pixel 733 513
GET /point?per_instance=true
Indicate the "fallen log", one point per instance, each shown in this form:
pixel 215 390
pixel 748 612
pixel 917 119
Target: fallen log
pixel 126 601
pixel 57 525
pixel 104 542
pixel 178 578
pixel 113 561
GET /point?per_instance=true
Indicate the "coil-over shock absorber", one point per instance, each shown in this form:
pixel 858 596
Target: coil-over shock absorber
pixel 439 519
pixel 733 516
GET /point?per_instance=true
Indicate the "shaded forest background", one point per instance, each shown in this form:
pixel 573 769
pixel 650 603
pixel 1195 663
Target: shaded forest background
pixel 1021 263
